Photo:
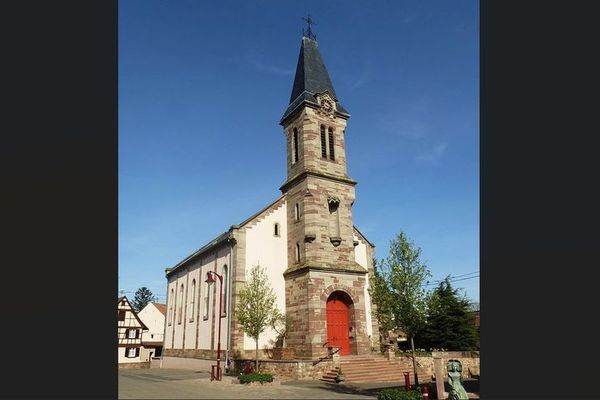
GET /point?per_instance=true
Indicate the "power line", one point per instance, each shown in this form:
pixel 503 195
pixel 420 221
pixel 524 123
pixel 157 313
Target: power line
pixel 470 273
pixel 451 280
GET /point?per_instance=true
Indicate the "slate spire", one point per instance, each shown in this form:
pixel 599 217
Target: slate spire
pixel 311 79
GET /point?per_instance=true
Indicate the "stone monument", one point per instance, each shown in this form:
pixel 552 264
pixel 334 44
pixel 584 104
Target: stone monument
pixel 457 391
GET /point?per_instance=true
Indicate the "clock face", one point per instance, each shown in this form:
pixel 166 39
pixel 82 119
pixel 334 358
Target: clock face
pixel 327 105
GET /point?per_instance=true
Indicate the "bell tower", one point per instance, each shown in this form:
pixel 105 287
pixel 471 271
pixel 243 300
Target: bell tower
pixel 320 195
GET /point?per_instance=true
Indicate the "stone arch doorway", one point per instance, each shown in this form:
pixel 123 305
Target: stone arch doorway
pixel 339 321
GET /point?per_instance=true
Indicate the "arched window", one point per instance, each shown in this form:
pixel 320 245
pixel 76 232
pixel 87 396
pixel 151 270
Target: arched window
pixel 297 252
pixel 331 151
pixel 295 146
pixel 180 311
pixel 225 286
pixel 193 300
pixel 323 143
pixel 296 212
pixel 171 300
pixel 276 229
pixel 206 301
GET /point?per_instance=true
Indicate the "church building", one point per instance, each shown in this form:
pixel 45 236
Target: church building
pixel 317 261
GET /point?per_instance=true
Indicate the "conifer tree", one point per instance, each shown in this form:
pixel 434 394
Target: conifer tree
pixel 142 297
pixel 450 322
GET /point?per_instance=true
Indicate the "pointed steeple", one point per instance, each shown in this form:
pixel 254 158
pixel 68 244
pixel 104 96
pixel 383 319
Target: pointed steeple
pixel 311 79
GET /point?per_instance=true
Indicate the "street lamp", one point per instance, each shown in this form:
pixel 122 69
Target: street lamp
pixel 210 280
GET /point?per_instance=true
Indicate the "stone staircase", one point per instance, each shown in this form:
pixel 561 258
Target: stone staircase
pixel 373 368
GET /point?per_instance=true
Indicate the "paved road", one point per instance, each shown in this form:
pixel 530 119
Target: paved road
pixel 162 383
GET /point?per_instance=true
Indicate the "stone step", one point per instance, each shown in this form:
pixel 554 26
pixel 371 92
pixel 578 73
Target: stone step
pixel 379 371
pixel 374 364
pixel 378 367
pixel 372 368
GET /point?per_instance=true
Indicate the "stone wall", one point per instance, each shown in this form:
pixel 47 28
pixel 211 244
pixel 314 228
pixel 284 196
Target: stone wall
pixel 306 299
pixel 308 123
pixel 144 364
pixel 468 359
pixel 287 369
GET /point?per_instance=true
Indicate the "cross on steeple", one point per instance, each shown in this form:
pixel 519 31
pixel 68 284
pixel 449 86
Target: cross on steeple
pixel 309 33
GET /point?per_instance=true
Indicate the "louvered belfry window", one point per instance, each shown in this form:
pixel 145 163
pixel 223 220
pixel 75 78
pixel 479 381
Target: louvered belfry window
pixel 295 144
pixel 331 152
pixel 323 143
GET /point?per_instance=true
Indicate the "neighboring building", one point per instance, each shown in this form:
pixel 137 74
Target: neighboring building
pixel 129 333
pixel 317 261
pixel 153 316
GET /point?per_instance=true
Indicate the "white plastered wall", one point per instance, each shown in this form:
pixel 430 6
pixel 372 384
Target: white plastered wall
pixel 197 328
pixel 269 251
pixel 360 256
pixel 155 321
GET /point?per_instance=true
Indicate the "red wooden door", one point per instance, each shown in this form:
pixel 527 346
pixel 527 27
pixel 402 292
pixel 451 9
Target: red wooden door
pixel 337 325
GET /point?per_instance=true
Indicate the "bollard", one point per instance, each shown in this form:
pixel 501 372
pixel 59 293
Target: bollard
pixel 425 392
pixel 407 381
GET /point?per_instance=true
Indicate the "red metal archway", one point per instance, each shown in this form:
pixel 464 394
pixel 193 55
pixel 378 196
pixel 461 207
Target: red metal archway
pixel 338 312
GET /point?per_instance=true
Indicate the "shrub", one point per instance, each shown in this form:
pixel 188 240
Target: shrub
pixel 399 394
pixel 256 377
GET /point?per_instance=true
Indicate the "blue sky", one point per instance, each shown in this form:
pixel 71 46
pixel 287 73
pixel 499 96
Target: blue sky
pixel 203 84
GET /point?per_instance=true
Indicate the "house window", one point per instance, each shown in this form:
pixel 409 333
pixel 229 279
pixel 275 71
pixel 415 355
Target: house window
pixel 295 146
pixel 180 311
pixel 323 143
pixel 296 212
pixel 206 302
pixel 132 334
pixel 224 304
pixel 132 352
pixel 276 229
pixel 331 152
pixel 297 252
pixel 121 315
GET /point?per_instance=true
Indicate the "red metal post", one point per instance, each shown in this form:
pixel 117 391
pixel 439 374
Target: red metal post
pixel 219 316
pixel 407 381
pixel 425 392
pixel 209 280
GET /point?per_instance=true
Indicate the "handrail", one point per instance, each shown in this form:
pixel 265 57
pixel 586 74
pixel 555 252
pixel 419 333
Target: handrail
pixel 330 355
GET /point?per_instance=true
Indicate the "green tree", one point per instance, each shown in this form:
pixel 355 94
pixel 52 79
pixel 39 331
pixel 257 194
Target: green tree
pixel 281 323
pixel 256 306
pixel 450 321
pixel 381 296
pixel 141 298
pixel 399 289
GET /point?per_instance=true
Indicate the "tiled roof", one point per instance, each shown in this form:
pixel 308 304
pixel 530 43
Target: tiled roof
pixel 161 307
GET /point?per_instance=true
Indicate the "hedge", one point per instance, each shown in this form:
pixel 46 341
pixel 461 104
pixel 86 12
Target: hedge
pixel 399 394
pixel 256 377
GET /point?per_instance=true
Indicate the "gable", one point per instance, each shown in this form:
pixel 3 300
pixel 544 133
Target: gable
pixel 123 304
pixel 362 237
